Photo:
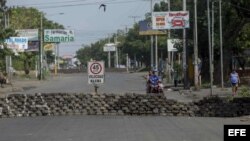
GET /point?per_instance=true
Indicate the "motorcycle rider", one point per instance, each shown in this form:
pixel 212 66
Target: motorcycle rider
pixel 153 79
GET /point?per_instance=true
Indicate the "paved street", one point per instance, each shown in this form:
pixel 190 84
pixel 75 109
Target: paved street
pixel 114 128
pixel 78 83
pixel 111 128
pixel 118 83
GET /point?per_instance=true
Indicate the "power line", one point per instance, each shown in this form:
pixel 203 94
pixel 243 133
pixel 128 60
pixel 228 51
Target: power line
pixel 48 3
pixel 91 3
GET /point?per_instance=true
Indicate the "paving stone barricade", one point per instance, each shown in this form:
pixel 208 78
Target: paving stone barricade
pixel 23 105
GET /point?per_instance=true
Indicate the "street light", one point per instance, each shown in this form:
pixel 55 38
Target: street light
pixel 41 45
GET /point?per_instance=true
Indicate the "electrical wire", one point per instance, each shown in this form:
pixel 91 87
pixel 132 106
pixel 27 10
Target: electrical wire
pixel 90 3
pixel 48 3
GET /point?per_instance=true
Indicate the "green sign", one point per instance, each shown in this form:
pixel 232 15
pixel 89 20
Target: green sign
pixel 58 35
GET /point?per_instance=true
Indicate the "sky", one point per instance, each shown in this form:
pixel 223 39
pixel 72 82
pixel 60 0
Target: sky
pixel 89 23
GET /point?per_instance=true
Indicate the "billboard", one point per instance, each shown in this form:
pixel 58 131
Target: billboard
pixel 17 44
pixel 31 34
pixel 58 35
pixel 33 46
pixel 145 28
pixel 109 47
pixel 170 20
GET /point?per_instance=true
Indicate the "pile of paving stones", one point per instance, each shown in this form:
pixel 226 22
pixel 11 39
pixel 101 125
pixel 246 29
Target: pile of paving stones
pixel 21 105
pixel 223 107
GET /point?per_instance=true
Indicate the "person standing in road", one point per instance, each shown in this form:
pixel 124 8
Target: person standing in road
pixel 147 81
pixel 235 80
pixel 175 78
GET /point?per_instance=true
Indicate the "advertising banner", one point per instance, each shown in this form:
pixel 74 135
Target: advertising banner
pixel 145 28
pixel 170 20
pixel 31 34
pixel 58 35
pixel 33 46
pixel 17 44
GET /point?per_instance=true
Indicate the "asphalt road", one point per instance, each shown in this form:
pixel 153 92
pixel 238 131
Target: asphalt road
pixel 78 83
pixel 114 128
pixel 109 128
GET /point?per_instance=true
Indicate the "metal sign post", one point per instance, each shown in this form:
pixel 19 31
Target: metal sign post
pixel 108 48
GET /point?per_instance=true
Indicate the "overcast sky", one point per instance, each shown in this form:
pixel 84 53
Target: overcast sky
pixel 88 21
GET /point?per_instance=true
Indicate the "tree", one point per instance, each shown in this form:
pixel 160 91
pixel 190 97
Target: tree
pixel 4 34
pixel 29 18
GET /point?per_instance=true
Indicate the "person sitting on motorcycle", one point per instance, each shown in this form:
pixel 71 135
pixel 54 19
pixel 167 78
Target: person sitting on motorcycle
pixel 153 79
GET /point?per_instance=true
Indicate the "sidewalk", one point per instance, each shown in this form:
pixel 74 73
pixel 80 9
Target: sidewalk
pixel 189 95
pixel 19 86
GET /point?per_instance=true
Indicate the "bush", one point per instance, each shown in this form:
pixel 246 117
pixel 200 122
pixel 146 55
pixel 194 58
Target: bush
pixel 244 91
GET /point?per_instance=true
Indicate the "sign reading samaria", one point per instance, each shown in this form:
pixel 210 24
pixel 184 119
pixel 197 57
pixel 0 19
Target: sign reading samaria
pixel 58 35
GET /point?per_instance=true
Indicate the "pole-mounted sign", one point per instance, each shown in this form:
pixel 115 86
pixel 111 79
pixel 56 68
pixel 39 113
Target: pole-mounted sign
pixel 96 72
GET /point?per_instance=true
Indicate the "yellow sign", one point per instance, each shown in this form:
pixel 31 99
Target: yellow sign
pixel 49 47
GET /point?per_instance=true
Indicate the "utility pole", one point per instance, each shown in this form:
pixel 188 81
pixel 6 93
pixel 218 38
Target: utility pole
pixel 41 50
pixel 196 71
pixel 152 38
pixel 185 52
pixel 209 47
pixel 212 42
pixel 127 62
pixel 116 52
pixel 109 63
pixel 55 61
pixel 169 53
pixel 221 48
pixel 134 17
pixel 156 53
pixel 152 51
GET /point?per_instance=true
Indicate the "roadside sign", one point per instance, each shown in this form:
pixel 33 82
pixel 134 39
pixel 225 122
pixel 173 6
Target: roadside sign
pixel 18 44
pixel 109 47
pixel 31 34
pixel 96 72
pixel 58 35
pixel 172 43
pixel 170 20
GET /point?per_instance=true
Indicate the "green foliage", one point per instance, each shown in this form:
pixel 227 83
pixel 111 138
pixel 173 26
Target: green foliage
pixel 244 91
pixel 21 18
pixel 229 98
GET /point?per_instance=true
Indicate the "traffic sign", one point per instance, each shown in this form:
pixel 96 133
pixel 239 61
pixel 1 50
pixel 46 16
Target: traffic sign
pixel 95 72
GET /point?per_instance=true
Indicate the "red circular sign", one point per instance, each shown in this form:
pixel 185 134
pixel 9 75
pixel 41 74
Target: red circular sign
pixel 96 68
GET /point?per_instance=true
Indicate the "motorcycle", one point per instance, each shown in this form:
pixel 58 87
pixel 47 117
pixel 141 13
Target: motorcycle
pixel 155 88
